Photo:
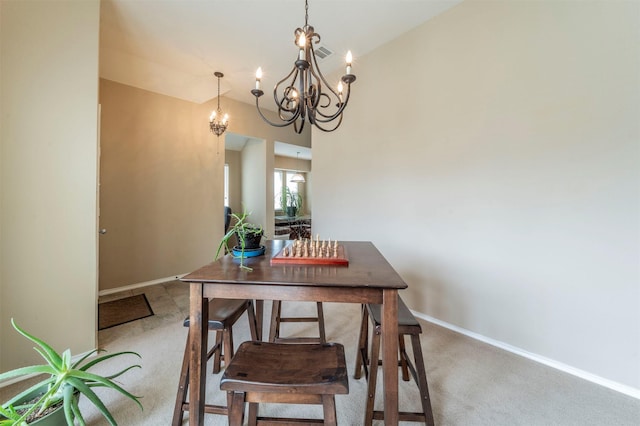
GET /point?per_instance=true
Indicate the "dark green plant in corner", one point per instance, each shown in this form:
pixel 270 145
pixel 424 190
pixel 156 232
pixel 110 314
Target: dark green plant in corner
pixel 291 202
pixel 246 234
pixel 65 381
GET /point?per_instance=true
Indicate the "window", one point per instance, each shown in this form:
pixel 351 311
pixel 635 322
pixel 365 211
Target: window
pixel 281 180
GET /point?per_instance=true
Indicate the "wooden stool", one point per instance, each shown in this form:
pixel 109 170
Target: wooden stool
pixel 277 319
pixel 295 373
pixel 223 313
pixel 407 325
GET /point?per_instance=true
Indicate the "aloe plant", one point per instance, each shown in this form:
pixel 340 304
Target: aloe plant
pixel 66 380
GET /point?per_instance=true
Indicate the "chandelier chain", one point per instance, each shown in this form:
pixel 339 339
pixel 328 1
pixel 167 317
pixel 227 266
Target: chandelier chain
pixel 306 13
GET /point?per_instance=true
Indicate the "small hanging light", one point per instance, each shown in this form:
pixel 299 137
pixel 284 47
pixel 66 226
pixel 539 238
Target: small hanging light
pixel 298 177
pixel 218 121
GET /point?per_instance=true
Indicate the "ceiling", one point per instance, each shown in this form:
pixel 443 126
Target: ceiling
pixel 173 47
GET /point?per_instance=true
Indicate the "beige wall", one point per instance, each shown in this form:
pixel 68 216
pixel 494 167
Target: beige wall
pixel 160 189
pixel 503 136
pixel 255 182
pixel 48 172
pixel 295 164
pixel 233 158
pixel 161 196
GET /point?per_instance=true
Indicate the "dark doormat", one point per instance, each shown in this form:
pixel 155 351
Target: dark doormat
pixel 121 311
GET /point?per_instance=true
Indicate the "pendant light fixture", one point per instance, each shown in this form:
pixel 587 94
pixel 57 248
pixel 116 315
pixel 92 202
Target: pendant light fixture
pixel 298 177
pixel 304 94
pixel 218 121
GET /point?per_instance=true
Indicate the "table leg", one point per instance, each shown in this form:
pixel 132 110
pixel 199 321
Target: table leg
pixel 198 334
pixel 390 355
pixel 259 317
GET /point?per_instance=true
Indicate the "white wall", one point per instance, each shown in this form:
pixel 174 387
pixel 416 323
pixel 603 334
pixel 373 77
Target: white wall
pixel 48 166
pixel 492 154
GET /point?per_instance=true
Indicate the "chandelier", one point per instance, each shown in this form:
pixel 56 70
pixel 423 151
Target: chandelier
pixel 218 121
pixel 304 94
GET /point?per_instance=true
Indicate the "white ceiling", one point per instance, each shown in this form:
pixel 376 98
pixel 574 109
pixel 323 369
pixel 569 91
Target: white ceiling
pixel 173 47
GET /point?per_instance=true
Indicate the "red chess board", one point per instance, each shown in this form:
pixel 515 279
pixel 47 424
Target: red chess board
pixel 342 259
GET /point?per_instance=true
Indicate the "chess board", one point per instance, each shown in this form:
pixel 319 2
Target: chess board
pixel 341 258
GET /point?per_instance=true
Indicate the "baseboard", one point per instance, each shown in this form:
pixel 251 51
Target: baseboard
pixel 618 387
pixel 139 285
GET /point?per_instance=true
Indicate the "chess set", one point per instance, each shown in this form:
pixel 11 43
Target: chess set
pixel 312 252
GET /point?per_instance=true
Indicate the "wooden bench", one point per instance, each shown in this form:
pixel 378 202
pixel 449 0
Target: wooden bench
pixel 407 325
pixel 293 373
pixel 223 314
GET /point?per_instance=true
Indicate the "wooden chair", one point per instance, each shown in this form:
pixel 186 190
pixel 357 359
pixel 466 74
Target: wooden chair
pixel 223 314
pixel 407 325
pixel 293 373
pixel 277 319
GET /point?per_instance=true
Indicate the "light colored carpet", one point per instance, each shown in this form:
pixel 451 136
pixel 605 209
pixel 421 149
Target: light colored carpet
pixel 471 383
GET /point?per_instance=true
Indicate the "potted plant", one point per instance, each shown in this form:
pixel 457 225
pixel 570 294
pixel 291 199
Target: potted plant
pixel 291 202
pixel 248 236
pixel 55 398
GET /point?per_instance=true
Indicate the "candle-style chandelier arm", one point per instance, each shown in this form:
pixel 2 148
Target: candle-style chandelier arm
pixel 286 103
pixel 282 124
pixel 338 113
pixel 326 129
pixel 285 121
pixel 319 77
pixel 340 103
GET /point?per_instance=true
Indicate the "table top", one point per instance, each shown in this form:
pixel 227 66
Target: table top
pixel 367 268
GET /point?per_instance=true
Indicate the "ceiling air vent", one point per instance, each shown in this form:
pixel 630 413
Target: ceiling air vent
pixel 322 52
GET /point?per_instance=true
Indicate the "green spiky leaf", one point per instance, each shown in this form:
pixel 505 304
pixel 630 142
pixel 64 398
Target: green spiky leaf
pixel 65 381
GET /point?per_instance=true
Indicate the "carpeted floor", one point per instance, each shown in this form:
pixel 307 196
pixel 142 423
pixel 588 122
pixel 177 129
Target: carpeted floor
pixel 471 383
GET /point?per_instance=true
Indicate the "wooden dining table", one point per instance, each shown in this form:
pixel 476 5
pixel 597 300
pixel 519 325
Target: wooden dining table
pixel 368 278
